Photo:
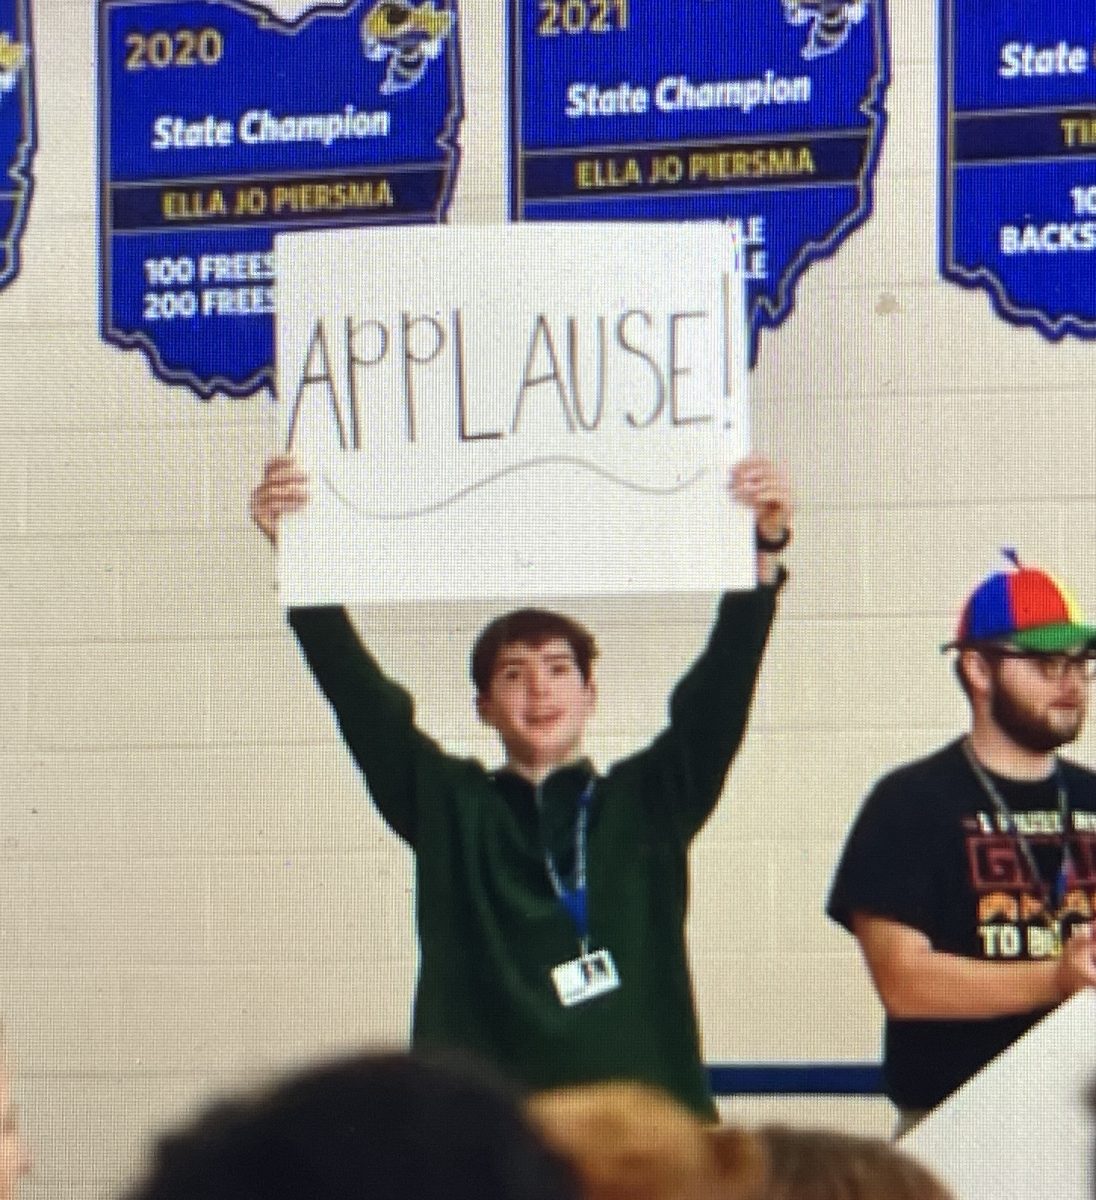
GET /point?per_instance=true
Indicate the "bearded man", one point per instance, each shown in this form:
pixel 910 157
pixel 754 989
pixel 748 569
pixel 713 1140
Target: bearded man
pixel 969 877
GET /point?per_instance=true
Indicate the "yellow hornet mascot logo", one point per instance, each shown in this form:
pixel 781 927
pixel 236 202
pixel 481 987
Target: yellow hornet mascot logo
pixel 12 57
pixel 408 36
pixel 830 22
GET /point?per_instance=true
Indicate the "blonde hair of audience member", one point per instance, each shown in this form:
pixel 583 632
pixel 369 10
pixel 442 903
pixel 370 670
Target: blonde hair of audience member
pixel 14 1156
pixel 817 1164
pixel 627 1141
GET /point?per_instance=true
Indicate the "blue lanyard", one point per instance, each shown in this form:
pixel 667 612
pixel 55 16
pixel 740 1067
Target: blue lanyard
pixel 573 898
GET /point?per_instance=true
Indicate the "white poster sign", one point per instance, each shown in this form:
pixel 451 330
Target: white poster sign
pixel 1021 1129
pixel 523 410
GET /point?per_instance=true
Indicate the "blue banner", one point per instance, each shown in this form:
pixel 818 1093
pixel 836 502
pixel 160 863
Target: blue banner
pixel 17 134
pixel 1018 149
pixel 768 114
pixel 221 125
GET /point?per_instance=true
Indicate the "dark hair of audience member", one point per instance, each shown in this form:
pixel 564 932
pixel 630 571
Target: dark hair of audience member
pixel 373 1127
pixel 817 1164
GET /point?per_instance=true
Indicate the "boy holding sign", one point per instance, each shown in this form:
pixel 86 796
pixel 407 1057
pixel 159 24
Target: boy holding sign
pixel 551 900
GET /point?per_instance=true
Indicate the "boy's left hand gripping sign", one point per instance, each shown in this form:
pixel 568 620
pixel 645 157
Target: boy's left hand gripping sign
pixel 16 130
pixel 221 124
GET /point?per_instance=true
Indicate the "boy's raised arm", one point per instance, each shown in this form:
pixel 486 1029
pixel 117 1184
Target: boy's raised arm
pixel 709 707
pixel 374 714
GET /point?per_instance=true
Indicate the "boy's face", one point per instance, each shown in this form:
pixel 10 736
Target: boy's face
pixel 539 703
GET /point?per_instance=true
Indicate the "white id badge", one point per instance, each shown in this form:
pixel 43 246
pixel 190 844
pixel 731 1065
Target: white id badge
pixel 583 978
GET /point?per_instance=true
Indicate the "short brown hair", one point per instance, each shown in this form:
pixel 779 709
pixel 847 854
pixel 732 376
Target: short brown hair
pixel 628 1141
pixel 529 627
pixel 817 1164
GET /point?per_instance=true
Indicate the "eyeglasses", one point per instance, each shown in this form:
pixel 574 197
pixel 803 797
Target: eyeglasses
pixel 1053 667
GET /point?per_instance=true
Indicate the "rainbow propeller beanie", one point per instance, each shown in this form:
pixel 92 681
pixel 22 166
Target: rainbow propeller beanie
pixel 1024 607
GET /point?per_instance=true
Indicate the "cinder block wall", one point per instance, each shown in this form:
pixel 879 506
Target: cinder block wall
pixel 193 888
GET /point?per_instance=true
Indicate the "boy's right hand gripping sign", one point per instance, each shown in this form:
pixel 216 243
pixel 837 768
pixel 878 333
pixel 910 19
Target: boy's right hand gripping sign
pixel 1018 142
pixel 513 411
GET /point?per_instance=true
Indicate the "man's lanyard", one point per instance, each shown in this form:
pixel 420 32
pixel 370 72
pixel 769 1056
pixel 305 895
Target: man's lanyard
pixel 1051 895
pixel 573 896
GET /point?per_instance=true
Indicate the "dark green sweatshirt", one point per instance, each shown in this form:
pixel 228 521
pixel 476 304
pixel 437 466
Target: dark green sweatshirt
pixel 489 924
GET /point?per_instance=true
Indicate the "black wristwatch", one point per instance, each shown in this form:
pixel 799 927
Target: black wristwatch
pixel 772 545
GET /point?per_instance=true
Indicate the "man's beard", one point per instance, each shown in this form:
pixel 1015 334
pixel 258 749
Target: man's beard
pixel 1028 729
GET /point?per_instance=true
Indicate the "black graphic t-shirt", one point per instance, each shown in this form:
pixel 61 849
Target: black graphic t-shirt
pixel 930 851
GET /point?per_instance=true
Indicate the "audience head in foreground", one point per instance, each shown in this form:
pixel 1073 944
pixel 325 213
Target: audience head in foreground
pixel 371 1127
pixel 14 1156
pixel 627 1141
pixel 816 1164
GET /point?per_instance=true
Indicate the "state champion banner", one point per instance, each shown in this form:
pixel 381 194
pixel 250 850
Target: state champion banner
pixel 1018 158
pixel 222 125
pixel 512 411
pixel 768 114
pixel 17 131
